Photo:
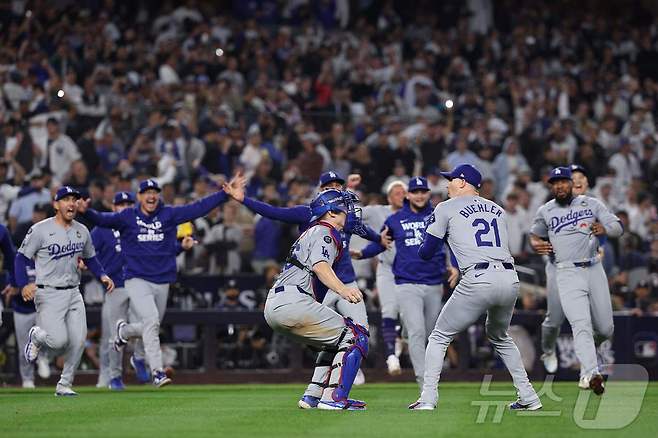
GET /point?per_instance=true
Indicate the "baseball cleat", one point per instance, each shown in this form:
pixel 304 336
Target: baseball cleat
pixel 28 384
pixel 65 391
pixel 141 372
pixel 550 362
pixel 31 349
pixel 308 402
pixel 519 406
pixel 116 384
pixel 119 342
pixel 596 384
pixel 583 383
pixel 421 406
pixel 342 405
pixel 160 379
pixel 393 364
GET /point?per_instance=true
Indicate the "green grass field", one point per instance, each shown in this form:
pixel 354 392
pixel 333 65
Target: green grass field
pixel 270 411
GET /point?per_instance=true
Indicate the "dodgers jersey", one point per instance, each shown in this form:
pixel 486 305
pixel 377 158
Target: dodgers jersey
pixel 568 227
pixel 475 228
pixel 319 243
pixel 374 216
pixel 56 250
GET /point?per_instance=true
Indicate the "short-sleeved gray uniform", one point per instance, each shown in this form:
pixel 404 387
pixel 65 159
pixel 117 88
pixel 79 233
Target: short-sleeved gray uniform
pixel 581 280
pixel 476 230
pixel 291 307
pixel 375 216
pixel 61 315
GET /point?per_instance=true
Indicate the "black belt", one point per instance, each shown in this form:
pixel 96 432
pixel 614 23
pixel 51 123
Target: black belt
pixel 485 265
pixel 43 286
pixel 586 264
pixel 301 291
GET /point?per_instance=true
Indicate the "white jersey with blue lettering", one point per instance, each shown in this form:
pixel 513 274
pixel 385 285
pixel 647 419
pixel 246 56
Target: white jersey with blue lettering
pixel 475 229
pixel 56 250
pixel 568 227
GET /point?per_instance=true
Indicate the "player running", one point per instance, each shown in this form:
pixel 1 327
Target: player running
pixel 550 328
pixel 291 307
pixel 568 227
pixel 302 215
pixel 476 230
pixel 148 242
pixel 56 244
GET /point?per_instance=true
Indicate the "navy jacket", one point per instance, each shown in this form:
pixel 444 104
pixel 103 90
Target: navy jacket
pixel 108 250
pixel 407 230
pixel 148 242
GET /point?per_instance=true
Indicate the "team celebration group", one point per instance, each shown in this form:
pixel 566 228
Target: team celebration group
pixel 463 241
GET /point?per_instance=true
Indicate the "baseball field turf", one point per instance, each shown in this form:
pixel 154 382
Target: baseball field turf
pixel 270 411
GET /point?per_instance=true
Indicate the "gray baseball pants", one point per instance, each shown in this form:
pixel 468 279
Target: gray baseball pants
pixel 585 298
pixel 23 322
pixel 420 305
pixel 62 319
pixel 148 301
pixel 493 291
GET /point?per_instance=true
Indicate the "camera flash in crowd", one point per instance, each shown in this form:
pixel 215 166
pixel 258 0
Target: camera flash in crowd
pixel 449 103
pixel 60 93
pixel 219 52
pixel 28 13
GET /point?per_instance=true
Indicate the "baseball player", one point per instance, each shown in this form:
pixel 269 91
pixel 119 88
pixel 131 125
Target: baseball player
pixel 476 231
pixel 56 244
pixel 292 309
pixel 550 328
pixel 116 306
pixel 418 282
pixel 375 216
pixel 107 243
pixel 302 215
pixel 568 228
pixel 148 242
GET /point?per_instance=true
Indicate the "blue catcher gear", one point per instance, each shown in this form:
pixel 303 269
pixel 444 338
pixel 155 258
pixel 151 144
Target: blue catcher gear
pixel 348 359
pixel 339 202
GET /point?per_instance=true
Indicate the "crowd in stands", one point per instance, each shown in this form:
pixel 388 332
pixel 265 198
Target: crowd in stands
pixel 102 94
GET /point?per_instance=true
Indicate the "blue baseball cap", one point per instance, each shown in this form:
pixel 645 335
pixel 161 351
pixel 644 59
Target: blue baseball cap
pixel 65 191
pixel 578 168
pixel 330 176
pixel 418 183
pixel 466 172
pixel 149 184
pixel 124 198
pixel 562 172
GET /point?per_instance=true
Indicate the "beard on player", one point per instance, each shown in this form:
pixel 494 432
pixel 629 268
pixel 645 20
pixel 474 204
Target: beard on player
pixel 562 191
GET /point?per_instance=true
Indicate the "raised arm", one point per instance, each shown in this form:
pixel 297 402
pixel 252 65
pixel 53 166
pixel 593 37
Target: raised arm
pixel 299 214
pixel 105 220
pixel 202 207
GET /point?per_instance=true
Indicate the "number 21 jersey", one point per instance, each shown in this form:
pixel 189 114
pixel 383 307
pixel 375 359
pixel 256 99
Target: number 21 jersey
pixel 474 227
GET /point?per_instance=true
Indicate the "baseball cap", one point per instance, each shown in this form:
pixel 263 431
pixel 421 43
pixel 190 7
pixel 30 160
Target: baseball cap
pixel 149 184
pixel 578 168
pixel 418 183
pixel 466 172
pixel 65 191
pixel 559 173
pixel 330 176
pixel 124 198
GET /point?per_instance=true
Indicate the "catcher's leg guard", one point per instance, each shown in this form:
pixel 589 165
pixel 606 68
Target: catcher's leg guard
pixel 320 379
pixel 351 350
